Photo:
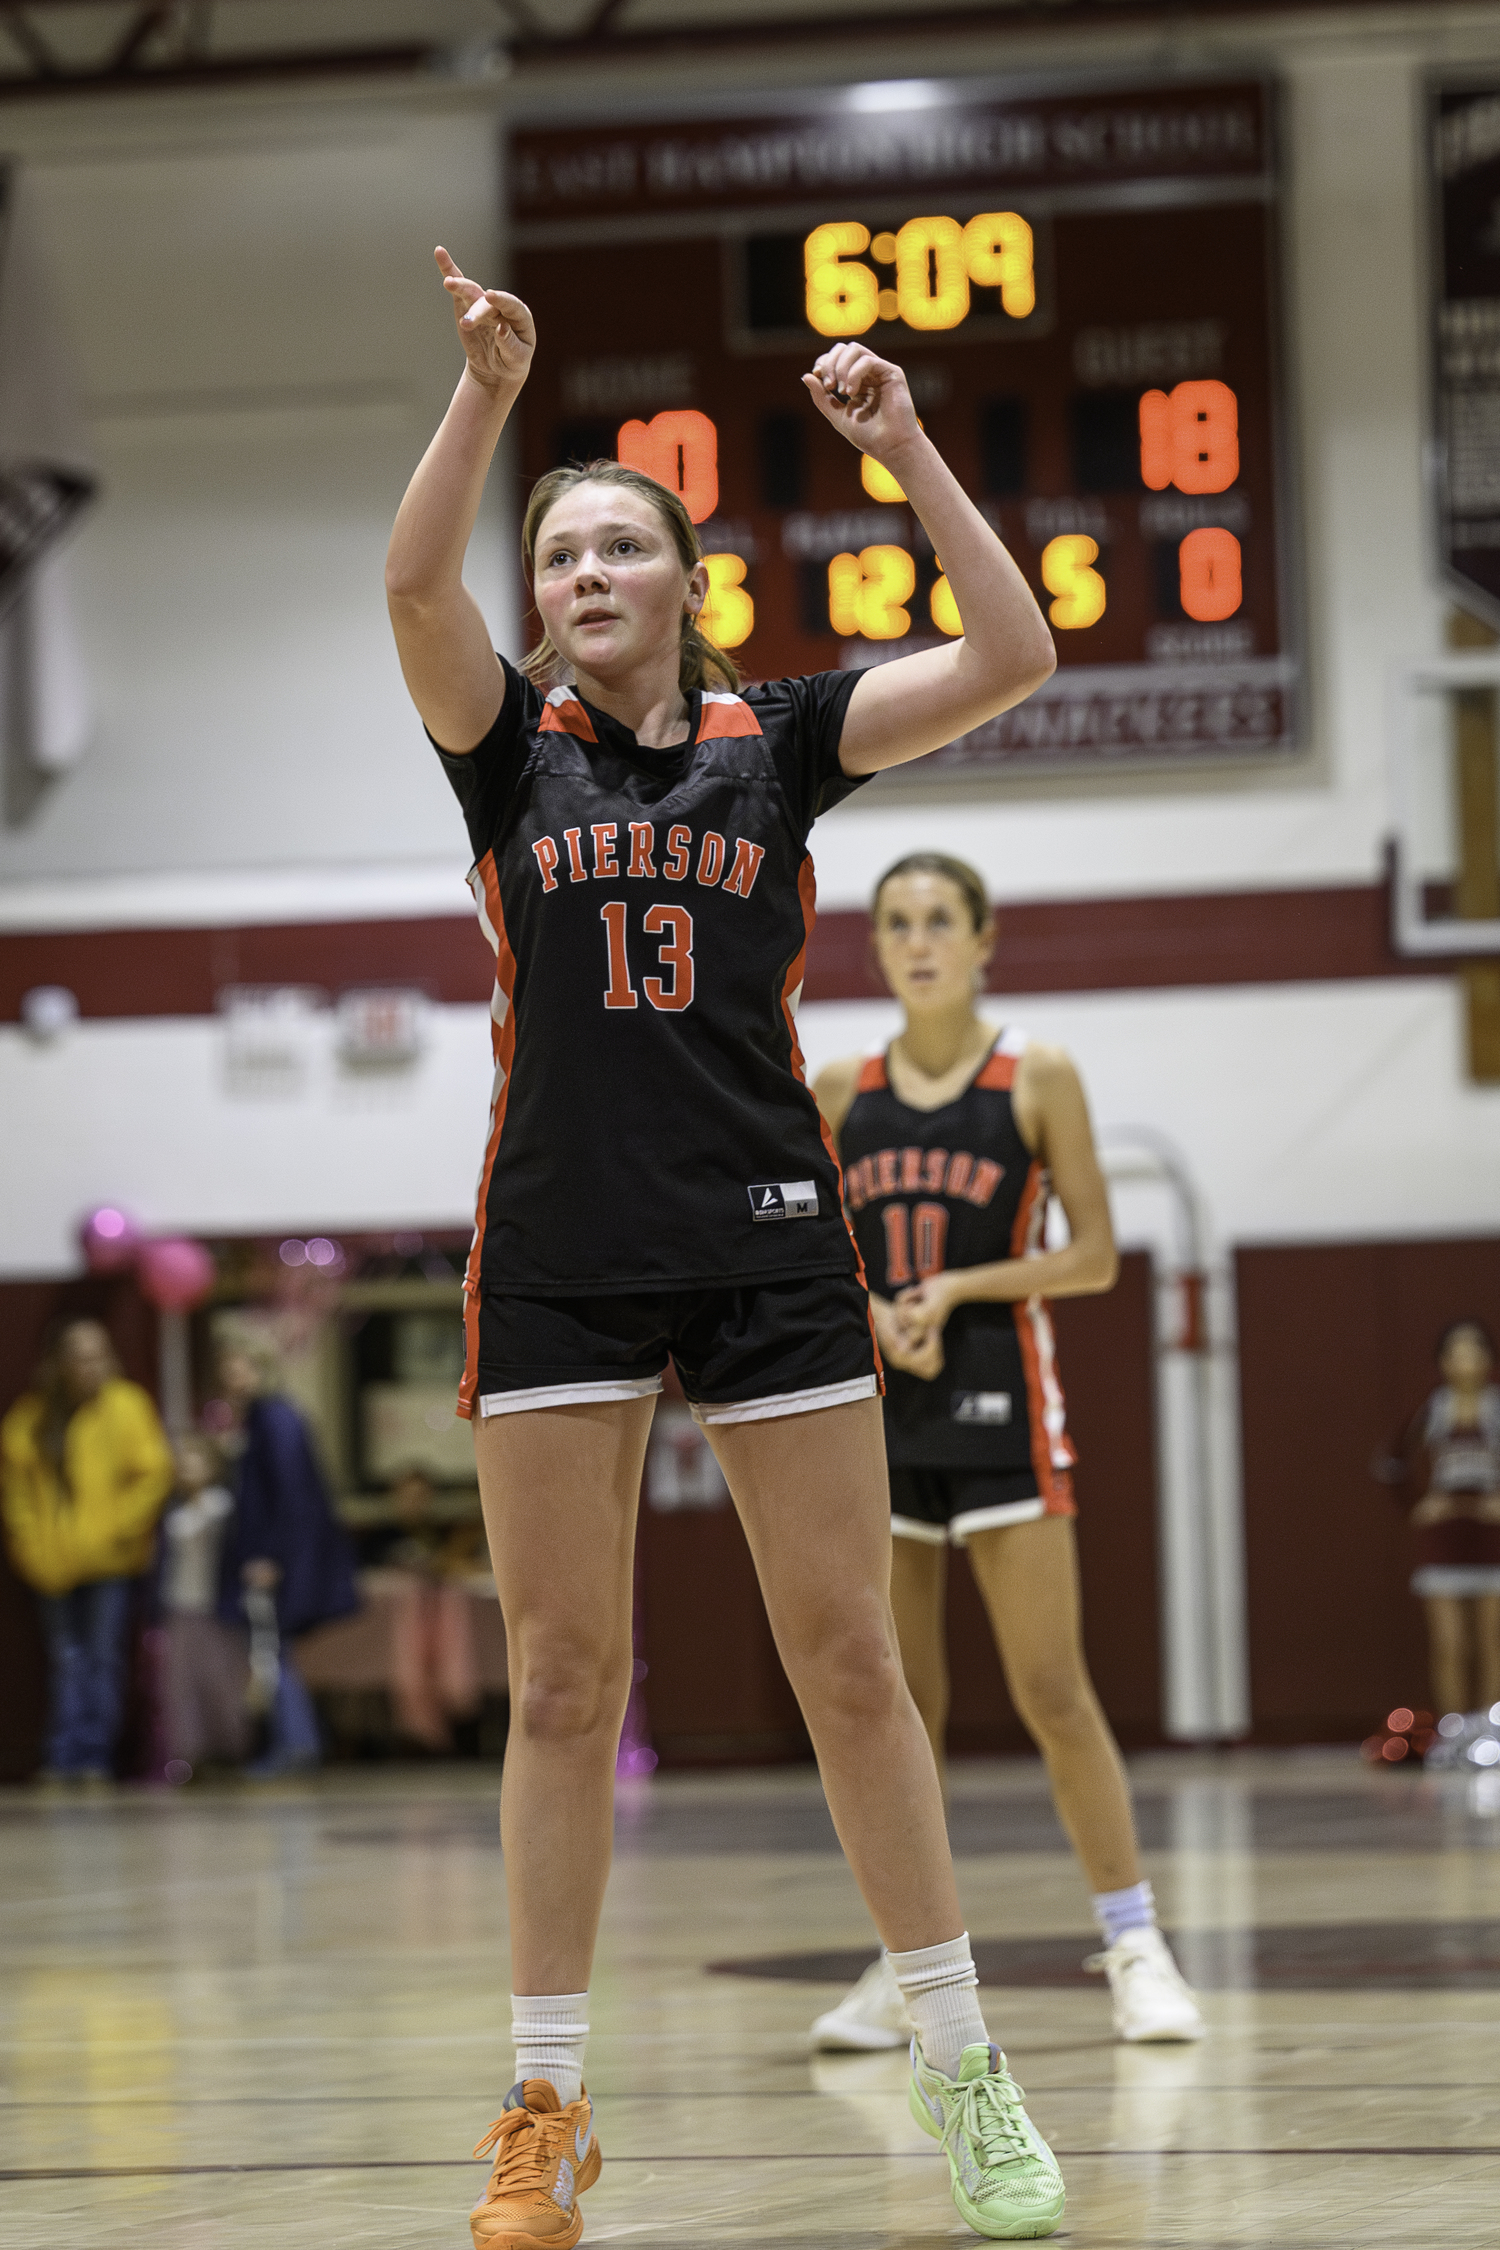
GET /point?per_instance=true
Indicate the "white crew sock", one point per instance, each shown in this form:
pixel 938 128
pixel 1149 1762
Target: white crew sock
pixel 941 1989
pixel 551 2030
pixel 1134 1908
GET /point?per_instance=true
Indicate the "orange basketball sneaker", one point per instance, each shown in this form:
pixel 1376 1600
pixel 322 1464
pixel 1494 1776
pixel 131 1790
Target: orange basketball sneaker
pixel 545 2156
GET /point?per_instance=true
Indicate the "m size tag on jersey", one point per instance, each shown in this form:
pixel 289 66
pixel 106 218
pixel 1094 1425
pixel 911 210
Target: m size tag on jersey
pixel 784 1199
pixel 981 1406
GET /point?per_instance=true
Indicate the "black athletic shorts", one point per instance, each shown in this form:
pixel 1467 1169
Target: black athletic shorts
pixel 946 1506
pixel 743 1354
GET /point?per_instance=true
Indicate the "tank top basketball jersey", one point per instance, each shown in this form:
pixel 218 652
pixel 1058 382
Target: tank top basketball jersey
pixel 649 910
pixel 933 1189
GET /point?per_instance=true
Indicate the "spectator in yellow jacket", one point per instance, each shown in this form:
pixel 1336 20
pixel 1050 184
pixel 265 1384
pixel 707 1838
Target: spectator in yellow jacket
pixel 85 1470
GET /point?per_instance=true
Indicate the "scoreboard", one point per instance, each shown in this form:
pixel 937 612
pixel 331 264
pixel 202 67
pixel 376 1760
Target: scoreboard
pixel 1082 289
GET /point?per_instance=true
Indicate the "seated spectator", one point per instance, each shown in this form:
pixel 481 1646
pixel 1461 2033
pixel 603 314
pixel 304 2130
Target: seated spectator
pixel 86 1468
pixel 207 1660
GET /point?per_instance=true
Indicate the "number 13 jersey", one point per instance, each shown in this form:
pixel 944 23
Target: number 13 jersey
pixel 649 909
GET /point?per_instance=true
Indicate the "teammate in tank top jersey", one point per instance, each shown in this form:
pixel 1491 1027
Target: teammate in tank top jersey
pixel 656 1183
pixel 952 1141
pixel 947 1190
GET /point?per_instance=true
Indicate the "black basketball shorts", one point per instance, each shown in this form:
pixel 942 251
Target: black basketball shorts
pixel 743 1354
pixel 947 1506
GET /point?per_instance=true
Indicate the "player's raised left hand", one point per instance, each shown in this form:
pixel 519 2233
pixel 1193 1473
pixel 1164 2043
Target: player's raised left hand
pixel 865 398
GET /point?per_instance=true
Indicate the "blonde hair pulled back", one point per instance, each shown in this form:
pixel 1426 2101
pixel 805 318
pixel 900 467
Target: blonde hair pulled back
pixel 702 664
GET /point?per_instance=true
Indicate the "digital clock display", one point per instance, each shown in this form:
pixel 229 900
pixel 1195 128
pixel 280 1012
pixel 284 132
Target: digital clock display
pixel 1081 288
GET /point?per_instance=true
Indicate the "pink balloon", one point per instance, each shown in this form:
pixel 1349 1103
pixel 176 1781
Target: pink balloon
pixel 175 1274
pixel 109 1238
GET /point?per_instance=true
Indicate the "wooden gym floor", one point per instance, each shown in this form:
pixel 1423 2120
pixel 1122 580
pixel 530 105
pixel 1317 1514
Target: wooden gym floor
pixel 278 2018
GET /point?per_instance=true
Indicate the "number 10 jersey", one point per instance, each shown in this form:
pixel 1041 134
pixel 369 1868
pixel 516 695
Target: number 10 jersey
pixel 649 910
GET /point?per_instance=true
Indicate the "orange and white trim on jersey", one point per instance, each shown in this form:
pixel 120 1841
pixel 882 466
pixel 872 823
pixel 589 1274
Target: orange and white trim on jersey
pixel 791 994
pixel 562 713
pixel 485 884
pixel 999 1073
pixel 724 714
pixel 1052 1454
pixel 874 1078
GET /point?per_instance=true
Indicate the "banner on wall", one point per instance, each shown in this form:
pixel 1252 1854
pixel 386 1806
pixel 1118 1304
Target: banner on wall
pixel 47 481
pixel 1464 145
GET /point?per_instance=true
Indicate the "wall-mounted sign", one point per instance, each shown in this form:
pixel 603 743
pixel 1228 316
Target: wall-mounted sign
pixel 1465 156
pixel 1082 289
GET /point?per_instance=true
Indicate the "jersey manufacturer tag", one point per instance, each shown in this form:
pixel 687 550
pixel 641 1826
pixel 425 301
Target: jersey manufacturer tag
pixel 981 1406
pixel 784 1199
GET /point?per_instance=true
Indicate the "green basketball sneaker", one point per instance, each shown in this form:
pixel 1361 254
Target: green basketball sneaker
pixel 1005 2178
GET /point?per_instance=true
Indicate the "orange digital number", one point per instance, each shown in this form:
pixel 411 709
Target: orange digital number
pixel 681 450
pixel 1208 570
pixel 1190 438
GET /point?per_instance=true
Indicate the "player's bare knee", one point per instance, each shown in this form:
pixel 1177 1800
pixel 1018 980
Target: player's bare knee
pixel 855 1678
pixel 1054 1699
pixel 567 1694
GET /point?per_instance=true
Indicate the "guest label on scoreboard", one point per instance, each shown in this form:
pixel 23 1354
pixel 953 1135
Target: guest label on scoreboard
pixel 1082 289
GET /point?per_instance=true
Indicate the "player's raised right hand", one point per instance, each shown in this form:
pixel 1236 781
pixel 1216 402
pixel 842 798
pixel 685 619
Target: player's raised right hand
pixel 496 330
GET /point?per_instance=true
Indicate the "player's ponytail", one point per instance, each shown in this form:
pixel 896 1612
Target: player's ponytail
pixel 702 664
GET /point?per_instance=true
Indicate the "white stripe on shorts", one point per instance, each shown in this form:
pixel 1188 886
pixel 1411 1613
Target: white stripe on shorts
pixel 930 1534
pixel 963 1527
pixel 565 1394
pixel 787 1402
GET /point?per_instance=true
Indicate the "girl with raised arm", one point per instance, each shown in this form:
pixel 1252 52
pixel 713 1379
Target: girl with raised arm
pixel 657 1183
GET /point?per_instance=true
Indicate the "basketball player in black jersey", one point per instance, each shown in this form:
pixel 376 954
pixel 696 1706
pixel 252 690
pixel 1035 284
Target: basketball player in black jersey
pixel 952 1142
pixel 657 1181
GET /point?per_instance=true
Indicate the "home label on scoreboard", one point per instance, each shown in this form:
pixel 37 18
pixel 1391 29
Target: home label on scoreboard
pixel 1082 288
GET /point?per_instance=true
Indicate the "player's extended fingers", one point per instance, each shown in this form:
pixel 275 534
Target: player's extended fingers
pixel 482 312
pixel 515 313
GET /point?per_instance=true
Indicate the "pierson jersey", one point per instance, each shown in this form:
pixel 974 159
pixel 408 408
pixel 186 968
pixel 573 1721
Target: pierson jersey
pixel 649 909
pixel 928 1190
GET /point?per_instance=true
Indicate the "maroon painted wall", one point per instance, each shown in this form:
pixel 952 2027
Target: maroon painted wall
pixel 1336 1353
